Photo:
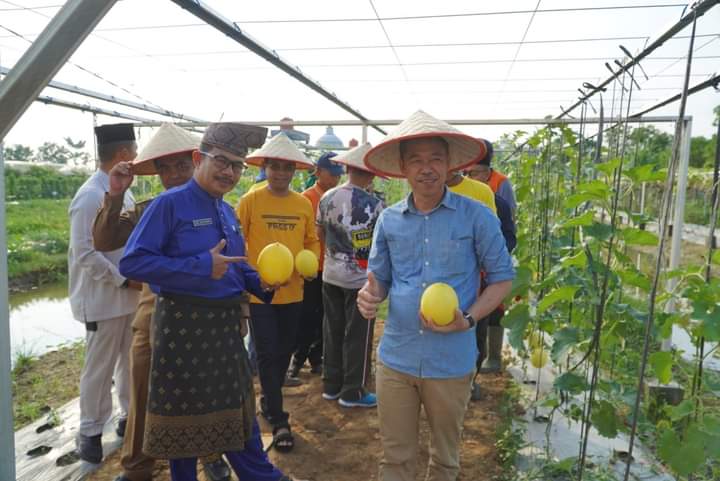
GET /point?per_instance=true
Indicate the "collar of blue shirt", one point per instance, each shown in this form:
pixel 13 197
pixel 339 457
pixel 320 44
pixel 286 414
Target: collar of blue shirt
pixel 448 200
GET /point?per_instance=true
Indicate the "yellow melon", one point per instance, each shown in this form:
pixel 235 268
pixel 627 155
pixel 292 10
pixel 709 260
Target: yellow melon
pixel 439 303
pixel 539 358
pixel 275 264
pixel 306 263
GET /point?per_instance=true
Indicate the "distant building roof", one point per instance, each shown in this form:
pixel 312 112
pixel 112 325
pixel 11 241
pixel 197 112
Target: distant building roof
pixel 329 140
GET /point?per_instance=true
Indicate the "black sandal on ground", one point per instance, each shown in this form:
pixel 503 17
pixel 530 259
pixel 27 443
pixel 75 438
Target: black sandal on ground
pixel 283 440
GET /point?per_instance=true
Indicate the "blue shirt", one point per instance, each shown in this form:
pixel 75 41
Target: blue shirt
pixel 169 247
pixel 412 250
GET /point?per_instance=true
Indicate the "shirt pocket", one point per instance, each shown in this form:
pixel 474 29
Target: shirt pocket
pixel 403 255
pixel 458 255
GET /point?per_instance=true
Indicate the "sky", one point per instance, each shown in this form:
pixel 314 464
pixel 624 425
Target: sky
pixel 462 60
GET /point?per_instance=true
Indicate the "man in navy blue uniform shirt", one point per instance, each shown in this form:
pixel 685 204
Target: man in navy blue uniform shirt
pixel 189 248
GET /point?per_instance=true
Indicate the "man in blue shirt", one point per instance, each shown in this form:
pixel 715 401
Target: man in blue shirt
pixel 189 248
pixel 432 236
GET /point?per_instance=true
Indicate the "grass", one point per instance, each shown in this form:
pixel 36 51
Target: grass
pixel 40 385
pixel 38 234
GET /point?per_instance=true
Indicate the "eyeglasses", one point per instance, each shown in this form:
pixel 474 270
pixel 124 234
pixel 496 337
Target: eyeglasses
pixel 221 162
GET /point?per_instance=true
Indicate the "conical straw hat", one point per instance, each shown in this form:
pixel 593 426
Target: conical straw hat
pixel 168 140
pixel 279 147
pixel 354 157
pixel 385 157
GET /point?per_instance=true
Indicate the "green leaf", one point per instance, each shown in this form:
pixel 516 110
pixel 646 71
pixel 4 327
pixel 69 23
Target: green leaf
pixel 571 382
pixel 716 257
pixel 646 173
pixel 582 219
pixel 563 340
pixel 522 281
pixel 662 363
pixel 565 293
pixel 635 236
pixel 598 230
pixel 683 457
pixel 682 410
pixel 608 167
pixel 516 320
pixel 605 419
pixel 578 260
pixel 635 278
pixel 711 429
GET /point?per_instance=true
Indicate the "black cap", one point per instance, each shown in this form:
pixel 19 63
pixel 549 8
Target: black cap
pixel 489 153
pixel 112 133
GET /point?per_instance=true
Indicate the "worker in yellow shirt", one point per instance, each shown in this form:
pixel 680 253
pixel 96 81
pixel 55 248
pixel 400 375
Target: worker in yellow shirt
pixel 267 215
pixel 472 189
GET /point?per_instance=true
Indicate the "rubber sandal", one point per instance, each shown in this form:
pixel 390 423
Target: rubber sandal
pixel 283 442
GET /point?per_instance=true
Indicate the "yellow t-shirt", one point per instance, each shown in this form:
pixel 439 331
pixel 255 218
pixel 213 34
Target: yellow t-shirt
pixel 476 190
pixel 258 185
pixel 290 220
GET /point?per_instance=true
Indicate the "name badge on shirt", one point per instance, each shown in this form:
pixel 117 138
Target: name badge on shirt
pixel 202 222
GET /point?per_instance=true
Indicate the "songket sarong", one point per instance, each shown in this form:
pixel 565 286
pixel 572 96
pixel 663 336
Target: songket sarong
pixel 201 398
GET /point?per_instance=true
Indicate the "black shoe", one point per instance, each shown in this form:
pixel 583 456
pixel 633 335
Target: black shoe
pixel 89 448
pixel 217 470
pixel 120 429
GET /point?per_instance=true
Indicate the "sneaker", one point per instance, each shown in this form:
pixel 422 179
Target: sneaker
pixel 331 397
pixel 89 448
pixel 369 400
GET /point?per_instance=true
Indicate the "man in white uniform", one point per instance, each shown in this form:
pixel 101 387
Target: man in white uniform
pixel 101 297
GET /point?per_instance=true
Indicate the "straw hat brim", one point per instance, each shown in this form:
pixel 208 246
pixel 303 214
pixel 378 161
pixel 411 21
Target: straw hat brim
pixel 464 151
pixel 259 161
pixel 147 166
pixel 282 148
pixel 354 158
pixel 168 140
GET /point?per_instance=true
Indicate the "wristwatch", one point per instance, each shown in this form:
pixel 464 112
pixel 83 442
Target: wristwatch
pixel 470 319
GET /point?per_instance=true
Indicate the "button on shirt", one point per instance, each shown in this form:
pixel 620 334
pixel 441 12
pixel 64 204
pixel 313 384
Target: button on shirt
pixel 412 250
pixel 169 248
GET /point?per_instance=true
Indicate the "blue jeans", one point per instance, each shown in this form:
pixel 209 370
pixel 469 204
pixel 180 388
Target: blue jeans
pixel 250 464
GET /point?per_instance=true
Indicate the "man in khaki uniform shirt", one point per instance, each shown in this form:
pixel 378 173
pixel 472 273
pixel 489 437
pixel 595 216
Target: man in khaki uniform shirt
pixel 169 155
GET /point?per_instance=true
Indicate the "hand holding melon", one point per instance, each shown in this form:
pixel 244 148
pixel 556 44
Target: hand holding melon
pixel 439 309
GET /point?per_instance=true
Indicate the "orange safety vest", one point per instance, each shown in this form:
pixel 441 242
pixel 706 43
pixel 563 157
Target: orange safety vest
pixel 495 180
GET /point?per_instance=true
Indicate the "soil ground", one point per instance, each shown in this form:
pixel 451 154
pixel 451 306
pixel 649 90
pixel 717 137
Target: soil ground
pixel 332 443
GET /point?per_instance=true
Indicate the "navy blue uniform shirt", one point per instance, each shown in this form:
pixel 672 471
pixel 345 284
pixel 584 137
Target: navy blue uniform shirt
pixel 169 247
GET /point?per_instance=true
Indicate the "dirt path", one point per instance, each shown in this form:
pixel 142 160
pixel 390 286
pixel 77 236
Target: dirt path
pixel 337 444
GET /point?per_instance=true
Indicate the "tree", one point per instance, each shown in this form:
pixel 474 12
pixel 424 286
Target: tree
pixel 652 146
pixel 19 152
pixel 52 152
pixel 701 151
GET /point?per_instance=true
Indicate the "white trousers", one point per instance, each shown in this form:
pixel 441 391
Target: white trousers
pixel 107 355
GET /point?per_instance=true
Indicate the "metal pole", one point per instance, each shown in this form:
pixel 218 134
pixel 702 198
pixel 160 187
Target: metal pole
pixel 385 122
pixel 214 19
pixel 7 431
pixel 364 134
pixel 58 41
pixel 62 36
pixel 112 99
pixel 678 219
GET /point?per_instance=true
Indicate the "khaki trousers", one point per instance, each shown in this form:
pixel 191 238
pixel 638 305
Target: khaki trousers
pixel 136 465
pixel 399 399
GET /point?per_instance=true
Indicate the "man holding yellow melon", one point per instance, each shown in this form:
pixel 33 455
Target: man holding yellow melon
pixel 432 236
pixel 268 215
